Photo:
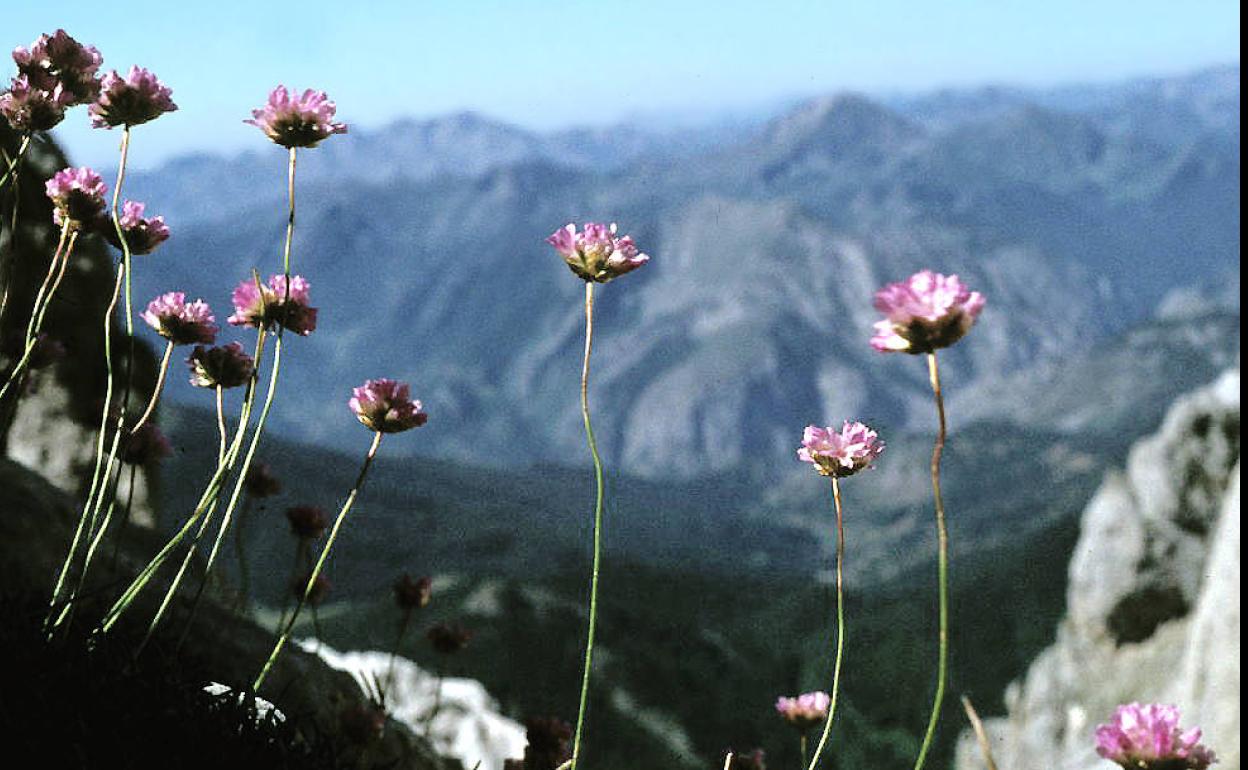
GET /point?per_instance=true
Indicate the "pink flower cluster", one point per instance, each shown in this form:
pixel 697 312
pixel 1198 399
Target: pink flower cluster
pixel 595 254
pixel 1148 737
pixel 271 305
pixel 840 453
pixel 179 321
pixel 61 67
pixel 297 120
pixel 805 711
pixel 33 109
pixel 224 366
pixel 137 98
pixel 78 195
pixel 143 234
pixel 926 312
pixel 386 406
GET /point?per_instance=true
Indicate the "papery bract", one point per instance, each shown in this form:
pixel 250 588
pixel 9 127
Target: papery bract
pixel 840 453
pixel 297 120
pixel 924 313
pixel 223 366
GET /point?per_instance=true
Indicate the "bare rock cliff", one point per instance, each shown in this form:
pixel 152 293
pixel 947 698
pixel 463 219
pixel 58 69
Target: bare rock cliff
pixel 1153 602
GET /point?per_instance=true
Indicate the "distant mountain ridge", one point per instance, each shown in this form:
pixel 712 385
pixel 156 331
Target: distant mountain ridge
pixel 752 318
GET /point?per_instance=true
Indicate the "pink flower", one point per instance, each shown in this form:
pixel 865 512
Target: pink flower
pixel 805 711
pixel 841 454
pixel 78 195
pixel 307 522
pixel 226 366
pixel 144 446
pixel 179 321
pixel 595 254
pixel 927 312
pixel 1147 737
pixel 386 406
pixel 31 109
pixel 272 305
pixel 297 121
pixel 60 61
pixel 143 234
pixel 137 98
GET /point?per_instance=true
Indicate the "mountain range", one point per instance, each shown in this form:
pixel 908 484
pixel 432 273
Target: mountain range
pixel 1079 212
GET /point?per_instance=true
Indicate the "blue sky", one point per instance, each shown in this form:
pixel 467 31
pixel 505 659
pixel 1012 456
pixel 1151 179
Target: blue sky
pixel 547 64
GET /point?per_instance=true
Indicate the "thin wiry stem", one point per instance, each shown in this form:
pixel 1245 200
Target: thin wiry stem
pixel 597 559
pixel 840 623
pixel 320 562
pixel 156 390
pixel 12 170
pixel 7 260
pixel 56 273
pixel 221 429
pixel 125 517
pixel 942 562
pixel 398 643
pixel 981 735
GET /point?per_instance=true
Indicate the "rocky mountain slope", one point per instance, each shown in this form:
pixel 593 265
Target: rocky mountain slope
pixel 1152 602
pixel 755 310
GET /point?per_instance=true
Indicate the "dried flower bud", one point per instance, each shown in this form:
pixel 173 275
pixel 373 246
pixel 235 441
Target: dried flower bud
pixel 449 639
pixel 412 594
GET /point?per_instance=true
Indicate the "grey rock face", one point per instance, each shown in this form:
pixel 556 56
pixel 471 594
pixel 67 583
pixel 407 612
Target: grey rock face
pixel 1153 602
pixel 53 428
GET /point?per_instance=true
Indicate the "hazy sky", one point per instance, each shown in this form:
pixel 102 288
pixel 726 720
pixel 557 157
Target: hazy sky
pixel 548 63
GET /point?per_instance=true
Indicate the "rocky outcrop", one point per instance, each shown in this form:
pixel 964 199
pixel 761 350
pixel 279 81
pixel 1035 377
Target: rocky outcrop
pixel 1153 600
pixel 458 716
pixel 35 530
pixel 52 428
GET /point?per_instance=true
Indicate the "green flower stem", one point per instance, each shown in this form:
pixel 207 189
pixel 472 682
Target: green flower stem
pixel 157 388
pixel 398 644
pixel 125 518
pixel 56 273
pixel 12 170
pixel 598 479
pixel 207 500
pixel 221 429
pixel 981 735
pixel 320 562
pixel 840 625
pixel 7 259
pixel 802 747
pixel 942 563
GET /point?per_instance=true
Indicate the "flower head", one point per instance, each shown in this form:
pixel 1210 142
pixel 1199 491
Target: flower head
pixel 179 321
pixel 549 743
pixel 143 234
pixel 261 481
pixel 272 305
pixel 752 760
pixel 302 120
pixel 58 60
pixel 223 366
pixel 386 406
pixel 926 312
pixel 595 254
pixel 805 711
pixel 28 108
pixel 412 594
pixel 307 522
pixel 1147 737
pixel 78 195
pixel 449 639
pixel 144 446
pixel 137 98
pixel 840 454
pixel 319 588
pixel 363 722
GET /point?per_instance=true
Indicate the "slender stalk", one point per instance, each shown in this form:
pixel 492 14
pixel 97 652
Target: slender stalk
pixel 177 580
pixel 942 562
pixel 221 429
pixel 802 746
pixel 6 263
pixel 125 517
pixel 157 388
pixel 398 643
pixel 598 480
pixel 12 170
pixel 981 735
pixel 56 273
pixel 320 562
pixel 240 553
pixel 840 622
